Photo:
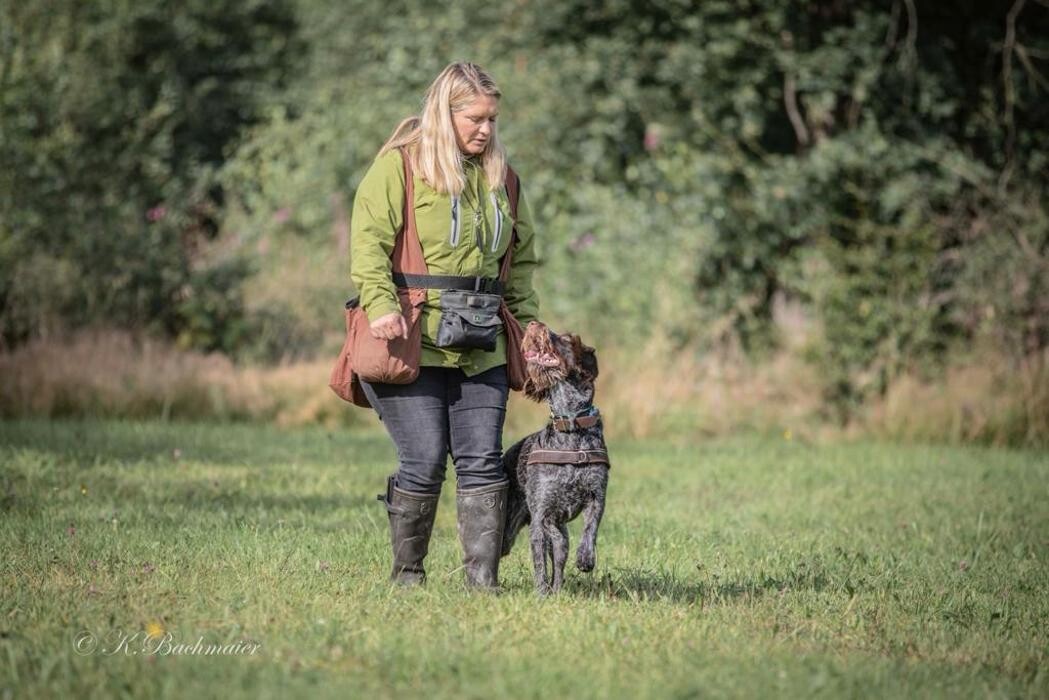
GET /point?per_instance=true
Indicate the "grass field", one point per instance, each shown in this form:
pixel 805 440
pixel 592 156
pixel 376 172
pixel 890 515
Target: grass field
pixel 742 567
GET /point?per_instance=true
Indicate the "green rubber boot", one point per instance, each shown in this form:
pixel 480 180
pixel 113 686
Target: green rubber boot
pixel 481 514
pixel 411 523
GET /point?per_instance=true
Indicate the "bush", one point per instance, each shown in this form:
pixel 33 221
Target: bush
pixel 113 117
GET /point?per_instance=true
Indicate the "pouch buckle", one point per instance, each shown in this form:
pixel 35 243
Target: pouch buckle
pixel 486 285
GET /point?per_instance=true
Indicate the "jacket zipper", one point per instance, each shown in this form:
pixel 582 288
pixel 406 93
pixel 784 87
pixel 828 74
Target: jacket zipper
pixel 453 236
pixel 498 214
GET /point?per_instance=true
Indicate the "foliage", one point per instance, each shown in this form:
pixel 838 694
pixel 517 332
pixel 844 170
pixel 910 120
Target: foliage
pixel 112 117
pixel 691 166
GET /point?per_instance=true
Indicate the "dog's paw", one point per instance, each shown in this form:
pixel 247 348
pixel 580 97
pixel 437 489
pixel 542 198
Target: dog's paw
pixel 584 560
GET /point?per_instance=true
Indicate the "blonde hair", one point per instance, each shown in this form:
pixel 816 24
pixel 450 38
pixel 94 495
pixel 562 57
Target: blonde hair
pixel 429 138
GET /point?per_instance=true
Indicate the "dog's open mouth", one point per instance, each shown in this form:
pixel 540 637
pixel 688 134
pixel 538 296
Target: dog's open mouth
pixel 543 359
pixel 544 364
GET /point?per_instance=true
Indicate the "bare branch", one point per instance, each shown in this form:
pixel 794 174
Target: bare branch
pixel 909 51
pixel 790 101
pixel 1007 82
pixel 1022 53
pixel 894 28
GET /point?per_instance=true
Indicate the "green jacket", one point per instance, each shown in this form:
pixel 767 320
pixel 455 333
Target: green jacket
pixel 470 243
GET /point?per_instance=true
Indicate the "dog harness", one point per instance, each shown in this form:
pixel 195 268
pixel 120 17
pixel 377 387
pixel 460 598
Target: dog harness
pixel 586 418
pixel 578 457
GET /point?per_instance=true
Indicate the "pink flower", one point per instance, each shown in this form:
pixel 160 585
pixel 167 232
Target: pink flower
pixel 651 138
pixel 582 242
pixel 282 215
pixel 157 213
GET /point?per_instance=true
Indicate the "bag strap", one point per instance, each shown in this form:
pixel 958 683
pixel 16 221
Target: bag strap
pixel 513 193
pixel 407 253
pixel 407 256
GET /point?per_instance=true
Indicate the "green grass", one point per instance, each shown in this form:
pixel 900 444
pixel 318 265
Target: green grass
pixel 743 567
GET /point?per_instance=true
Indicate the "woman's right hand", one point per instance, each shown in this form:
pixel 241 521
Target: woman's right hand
pixel 389 327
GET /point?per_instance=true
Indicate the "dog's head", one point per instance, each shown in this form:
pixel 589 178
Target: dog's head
pixel 551 358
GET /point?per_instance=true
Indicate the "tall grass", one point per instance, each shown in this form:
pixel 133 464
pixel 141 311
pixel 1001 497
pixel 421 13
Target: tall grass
pixel 644 392
pixel 113 374
pixel 988 400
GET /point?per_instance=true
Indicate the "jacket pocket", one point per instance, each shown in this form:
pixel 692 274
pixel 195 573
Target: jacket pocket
pixel 456 226
pixel 502 222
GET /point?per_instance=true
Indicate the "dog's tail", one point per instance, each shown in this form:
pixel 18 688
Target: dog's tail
pixel 517 515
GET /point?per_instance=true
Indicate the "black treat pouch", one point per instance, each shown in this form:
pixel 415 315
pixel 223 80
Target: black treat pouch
pixel 468 320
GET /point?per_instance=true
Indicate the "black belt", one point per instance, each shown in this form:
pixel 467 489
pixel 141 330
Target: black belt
pixel 486 285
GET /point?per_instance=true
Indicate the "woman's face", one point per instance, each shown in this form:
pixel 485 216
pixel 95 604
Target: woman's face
pixel 475 124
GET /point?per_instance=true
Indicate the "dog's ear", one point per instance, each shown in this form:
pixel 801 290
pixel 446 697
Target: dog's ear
pixel 589 362
pixel 585 358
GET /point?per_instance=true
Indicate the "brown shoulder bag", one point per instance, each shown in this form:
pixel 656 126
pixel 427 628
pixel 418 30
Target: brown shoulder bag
pixel 393 361
pixel 515 365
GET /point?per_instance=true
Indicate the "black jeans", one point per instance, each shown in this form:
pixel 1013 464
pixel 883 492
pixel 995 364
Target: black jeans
pixel 443 411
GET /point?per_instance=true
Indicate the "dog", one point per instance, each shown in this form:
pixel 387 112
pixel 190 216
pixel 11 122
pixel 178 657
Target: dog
pixel 561 471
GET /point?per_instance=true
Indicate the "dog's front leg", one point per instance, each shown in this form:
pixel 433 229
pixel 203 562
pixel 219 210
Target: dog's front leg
pixel 536 530
pixel 586 556
pixel 558 535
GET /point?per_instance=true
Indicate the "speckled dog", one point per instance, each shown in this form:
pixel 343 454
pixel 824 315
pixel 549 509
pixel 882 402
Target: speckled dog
pixel 561 470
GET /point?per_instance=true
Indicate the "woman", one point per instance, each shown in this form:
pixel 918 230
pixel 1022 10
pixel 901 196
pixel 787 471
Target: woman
pixel 458 403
